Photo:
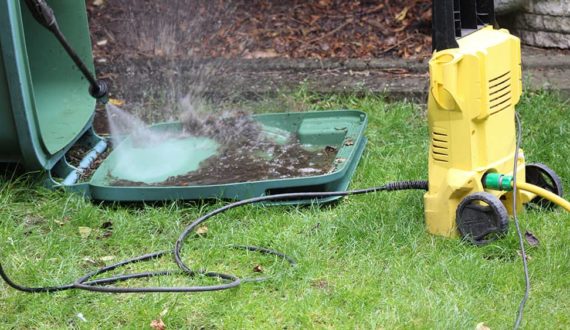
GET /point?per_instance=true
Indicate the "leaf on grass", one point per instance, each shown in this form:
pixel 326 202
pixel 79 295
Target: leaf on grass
pixel 158 324
pixel 531 239
pixel 258 269
pixel 482 326
pixel 320 284
pixel 528 257
pixel 107 230
pixel 106 234
pixel 33 220
pixel 84 232
pixel 90 260
pixel 202 230
pixel 81 317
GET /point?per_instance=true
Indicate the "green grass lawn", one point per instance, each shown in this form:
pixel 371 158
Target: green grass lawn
pixel 365 262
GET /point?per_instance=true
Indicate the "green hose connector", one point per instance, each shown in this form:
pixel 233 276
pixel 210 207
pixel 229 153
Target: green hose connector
pixel 497 181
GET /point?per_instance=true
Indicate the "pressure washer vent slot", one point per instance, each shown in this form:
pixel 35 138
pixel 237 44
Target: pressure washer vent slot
pixel 500 92
pixel 440 144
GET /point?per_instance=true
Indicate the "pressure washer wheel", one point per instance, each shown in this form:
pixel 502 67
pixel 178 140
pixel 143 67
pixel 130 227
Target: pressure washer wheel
pixel 481 218
pixel 544 177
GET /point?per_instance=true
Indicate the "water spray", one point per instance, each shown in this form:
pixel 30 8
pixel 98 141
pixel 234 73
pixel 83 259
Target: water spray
pixel 477 172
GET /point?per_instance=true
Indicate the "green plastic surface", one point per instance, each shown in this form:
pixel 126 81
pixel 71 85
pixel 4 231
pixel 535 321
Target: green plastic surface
pixel 156 162
pixel 343 129
pixel 44 101
pixel 45 109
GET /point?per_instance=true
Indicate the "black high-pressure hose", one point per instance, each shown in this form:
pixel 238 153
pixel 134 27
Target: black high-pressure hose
pixel 45 16
pixel 102 285
pixel 99 90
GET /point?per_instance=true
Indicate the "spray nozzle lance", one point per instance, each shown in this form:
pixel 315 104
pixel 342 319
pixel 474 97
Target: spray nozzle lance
pixel 100 91
pixel 45 16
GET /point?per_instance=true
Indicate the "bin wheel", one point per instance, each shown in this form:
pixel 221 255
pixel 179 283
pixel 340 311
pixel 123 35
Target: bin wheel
pixel 481 218
pixel 544 177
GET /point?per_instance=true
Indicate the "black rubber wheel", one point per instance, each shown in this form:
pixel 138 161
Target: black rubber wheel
pixel 481 218
pixel 544 177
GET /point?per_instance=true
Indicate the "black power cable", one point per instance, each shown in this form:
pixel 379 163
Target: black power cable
pixel 102 285
pixel 517 225
pixel 99 90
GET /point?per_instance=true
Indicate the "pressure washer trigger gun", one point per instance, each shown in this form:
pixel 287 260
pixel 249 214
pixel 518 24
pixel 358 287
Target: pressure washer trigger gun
pixel 42 13
pixel 45 16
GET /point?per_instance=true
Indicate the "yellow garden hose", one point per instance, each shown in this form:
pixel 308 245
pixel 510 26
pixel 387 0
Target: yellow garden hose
pixel 544 194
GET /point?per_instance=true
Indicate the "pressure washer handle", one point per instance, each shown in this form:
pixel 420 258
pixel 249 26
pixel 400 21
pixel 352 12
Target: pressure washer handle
pixel 44 15
pixel 454 19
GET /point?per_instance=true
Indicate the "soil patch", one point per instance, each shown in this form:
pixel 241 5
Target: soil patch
pixel 260 28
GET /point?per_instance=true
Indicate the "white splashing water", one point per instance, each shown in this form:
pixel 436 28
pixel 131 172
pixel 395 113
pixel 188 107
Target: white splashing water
pixel 208 148
pixel 123 124
pixel 145 155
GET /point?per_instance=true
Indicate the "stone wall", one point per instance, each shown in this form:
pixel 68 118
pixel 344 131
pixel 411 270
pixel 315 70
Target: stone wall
pixel 543 23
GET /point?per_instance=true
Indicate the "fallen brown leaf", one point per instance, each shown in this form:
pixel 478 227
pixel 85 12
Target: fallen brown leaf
pixel 268 53
pixel 320 284
pixel 90 260
pixel 33 220
pixel 400 17
pixel 531 239
pixel 116 102
pixel 482 326
pixel 202 230
pixel 106 234
pixel 84 232
pixel 158 324
pixel 528 257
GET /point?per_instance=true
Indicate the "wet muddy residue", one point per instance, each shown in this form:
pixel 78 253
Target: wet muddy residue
pixel 245 154
pixel 76 154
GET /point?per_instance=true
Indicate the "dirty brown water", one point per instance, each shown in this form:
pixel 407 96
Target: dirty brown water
pixel 245 152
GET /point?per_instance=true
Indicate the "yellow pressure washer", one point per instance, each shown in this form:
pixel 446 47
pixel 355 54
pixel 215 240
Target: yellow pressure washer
pixel 475 84
pixel 477 172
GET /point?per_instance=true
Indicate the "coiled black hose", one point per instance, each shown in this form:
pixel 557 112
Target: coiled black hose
pixel 102 285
